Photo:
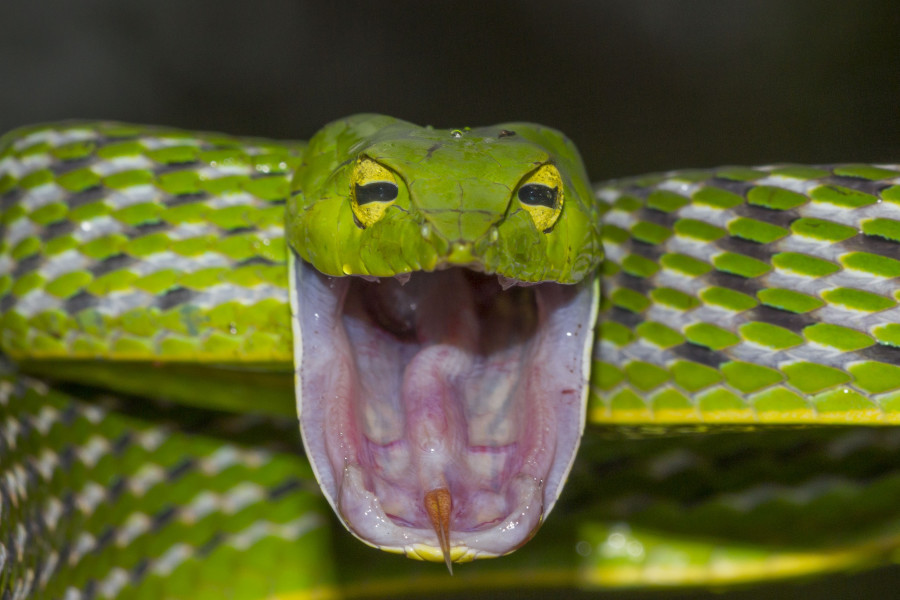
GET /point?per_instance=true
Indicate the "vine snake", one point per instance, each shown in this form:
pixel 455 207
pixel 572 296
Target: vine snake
pixel 434 293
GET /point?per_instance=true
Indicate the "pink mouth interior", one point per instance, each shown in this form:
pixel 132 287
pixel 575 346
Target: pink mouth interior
pixel 444 381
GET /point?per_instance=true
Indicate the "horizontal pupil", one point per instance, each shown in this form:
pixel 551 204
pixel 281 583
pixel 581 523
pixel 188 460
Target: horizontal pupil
pixel 378 191
pixel 535 194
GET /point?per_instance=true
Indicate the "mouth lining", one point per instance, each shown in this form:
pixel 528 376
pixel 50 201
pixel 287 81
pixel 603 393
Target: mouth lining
pixel 442 380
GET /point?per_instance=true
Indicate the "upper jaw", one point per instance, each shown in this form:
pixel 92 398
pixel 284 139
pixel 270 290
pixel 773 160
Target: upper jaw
pixel 446 383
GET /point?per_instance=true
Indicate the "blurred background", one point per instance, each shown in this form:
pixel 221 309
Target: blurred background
pixel 640 86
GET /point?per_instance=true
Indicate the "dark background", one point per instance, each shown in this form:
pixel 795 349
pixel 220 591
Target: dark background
pixel 639 85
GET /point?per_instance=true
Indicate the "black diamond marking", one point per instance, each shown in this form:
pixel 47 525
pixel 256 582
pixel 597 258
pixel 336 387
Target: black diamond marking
pixel 700 354
pixel 89 590
pixel 210 545
pixel 121 444
pixel 62 166
pixel 506 133
pixel 658 217
pixel 165 169
pixel 782 218
pixel 180 469
pixel 652 251
pixel 746 247
pixel 79 302
pixel 261 175
pixel 58 229
pixel 68 416
pixel 638 284
pixel 872 244
pixel 734 282
pixel 7 303
pixel 116 490
pixel 151 227
pixel 105 538
pixel 65 550
pixel 86 196
pixel 162 518
pixel 860 184
pixel 66 460
pixel 625 317
pixel 239 230
pixel 173 298
pixel 795 322
pixel 27 265
pixel 881 353
pixel 112 263
pixel 256 260
pixel 31 474
pixel 730 185
pixel 11 198
pixel 105 140
pixel 179 199
pixel 139 570
pixel 284 488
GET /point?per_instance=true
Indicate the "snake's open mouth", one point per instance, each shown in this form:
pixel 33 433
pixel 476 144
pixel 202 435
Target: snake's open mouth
pixel 441 414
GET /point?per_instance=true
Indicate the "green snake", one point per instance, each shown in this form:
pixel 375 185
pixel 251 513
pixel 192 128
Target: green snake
pixel 429 298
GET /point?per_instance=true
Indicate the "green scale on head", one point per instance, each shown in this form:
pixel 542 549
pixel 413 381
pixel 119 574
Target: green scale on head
pixel 379 196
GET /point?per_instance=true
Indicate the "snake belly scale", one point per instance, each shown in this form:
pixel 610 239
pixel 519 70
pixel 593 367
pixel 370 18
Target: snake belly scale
pixel 154 262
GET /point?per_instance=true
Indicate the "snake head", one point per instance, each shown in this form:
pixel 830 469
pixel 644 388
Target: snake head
pixel 442 392
pixel 378 196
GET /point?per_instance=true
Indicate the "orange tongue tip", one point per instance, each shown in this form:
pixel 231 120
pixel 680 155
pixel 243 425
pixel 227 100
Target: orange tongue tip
pixel 438 505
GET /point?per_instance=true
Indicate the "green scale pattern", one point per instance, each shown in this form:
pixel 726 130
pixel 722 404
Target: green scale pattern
pixel 95 503
pixel 740 295
pixel 731 296
pixel 136 242
pixel 104 498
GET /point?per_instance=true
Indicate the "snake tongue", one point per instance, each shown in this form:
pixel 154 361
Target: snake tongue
pixel 440 416
pixel 438 505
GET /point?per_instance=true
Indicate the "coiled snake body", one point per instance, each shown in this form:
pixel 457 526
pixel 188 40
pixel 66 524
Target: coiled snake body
pixel 434 292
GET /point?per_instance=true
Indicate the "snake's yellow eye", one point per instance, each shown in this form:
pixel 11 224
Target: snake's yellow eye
pixel 541 194
pixel 373 188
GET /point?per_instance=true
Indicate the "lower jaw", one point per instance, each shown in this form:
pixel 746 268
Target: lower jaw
pixel 396 403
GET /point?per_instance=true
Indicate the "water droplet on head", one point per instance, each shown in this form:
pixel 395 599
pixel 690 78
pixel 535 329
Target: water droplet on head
pixel 456 133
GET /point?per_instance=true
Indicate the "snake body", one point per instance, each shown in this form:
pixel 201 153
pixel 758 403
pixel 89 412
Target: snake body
pixel 731 296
